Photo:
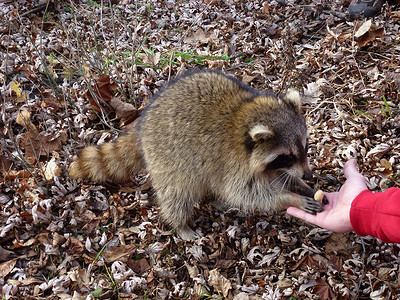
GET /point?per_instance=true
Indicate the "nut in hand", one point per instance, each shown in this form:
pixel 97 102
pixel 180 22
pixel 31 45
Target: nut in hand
pixel 319 196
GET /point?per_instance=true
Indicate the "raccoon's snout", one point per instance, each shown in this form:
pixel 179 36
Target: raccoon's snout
pixel 307 176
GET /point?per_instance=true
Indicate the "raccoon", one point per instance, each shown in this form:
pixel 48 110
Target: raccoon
pixel 208 134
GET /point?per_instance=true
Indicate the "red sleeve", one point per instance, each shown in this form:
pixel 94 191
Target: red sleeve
pixel 377 214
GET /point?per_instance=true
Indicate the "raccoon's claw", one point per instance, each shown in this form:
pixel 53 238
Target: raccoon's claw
pixel 311 206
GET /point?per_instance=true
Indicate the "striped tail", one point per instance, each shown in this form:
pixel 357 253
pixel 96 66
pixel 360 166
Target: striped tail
pixel 114 161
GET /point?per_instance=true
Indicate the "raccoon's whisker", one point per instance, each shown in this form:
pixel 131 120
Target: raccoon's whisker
pixel 287 181
pixel 277 179
pixel 281 180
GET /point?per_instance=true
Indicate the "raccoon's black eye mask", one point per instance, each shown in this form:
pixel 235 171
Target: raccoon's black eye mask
pixel 283 161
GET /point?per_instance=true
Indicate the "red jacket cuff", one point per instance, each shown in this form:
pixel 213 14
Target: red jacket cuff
pixel 377 214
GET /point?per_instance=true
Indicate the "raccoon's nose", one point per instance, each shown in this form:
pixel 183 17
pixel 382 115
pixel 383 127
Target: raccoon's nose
pixel 307 175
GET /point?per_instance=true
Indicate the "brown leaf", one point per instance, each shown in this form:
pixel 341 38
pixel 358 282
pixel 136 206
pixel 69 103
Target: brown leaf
pixel 323 289
pixel 200 37
pixel 152 59
pixel 101 94
pixel 7 267
pixel 307 260
pixel 121 252
pixel 58 240
pixel 11 175
pixel 219 282
pixel 224 263
pixel 248 78
pixel 5 163
pixel 51 169
pixel 36 145
pixel 150 278
pixel 24 282
pixel 80 276
pixel 75 246
pixel 91 226
pixel 28 243
pixel 4 254
pixel 49 100
pixel 139 266
pixel 123 110
pixel 215 64
pixel 43 238
pixel 367 33
pixel 337 243
pixel 385 167
pixel 265 9
pixel 211 2
pixel 336 262
pixel 24 119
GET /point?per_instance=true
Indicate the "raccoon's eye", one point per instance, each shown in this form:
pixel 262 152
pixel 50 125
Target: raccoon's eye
pixel 306 147
pixel 282 162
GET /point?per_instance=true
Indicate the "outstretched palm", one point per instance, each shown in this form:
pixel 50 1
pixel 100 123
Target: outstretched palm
pixel 336 214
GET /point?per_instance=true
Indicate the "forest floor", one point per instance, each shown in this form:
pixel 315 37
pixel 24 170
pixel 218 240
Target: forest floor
pixel 76 73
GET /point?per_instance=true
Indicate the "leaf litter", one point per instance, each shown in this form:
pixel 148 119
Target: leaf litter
pixel 76 73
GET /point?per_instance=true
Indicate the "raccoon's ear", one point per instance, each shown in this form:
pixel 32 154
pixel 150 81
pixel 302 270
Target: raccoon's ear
pixel 261 133
pixel 294 97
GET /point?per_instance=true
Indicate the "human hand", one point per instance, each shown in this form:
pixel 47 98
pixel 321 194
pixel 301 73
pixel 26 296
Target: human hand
pixel 336 214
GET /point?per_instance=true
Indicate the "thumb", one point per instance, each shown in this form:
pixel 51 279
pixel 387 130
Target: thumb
pixel 350 169
pixel 352 174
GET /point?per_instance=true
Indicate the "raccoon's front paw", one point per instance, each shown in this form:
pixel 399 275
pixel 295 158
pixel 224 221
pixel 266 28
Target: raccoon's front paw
pixel 311 206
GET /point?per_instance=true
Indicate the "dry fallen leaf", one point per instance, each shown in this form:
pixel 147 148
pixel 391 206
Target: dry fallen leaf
pixel 367 33
pixel 4 254
pixel 49 100
pixel 323 290
pixel 139 266
pixel 51 169
pixel 200 37
pixel 379 150
pixel 24 119
pixel 121 253
pixel 7 267
pixel 152 59
pixel 219 282
pixel 123 110
pixel 24 282
pixel 36 145
pixel 15 87
pixel 363 29
pixel 101 94
pixel 21 96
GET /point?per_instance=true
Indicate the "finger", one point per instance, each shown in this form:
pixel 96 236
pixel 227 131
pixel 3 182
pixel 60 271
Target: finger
pixel 301 214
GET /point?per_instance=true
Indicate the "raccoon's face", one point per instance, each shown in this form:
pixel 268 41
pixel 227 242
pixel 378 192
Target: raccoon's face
pixel 280 157
pixel 277 140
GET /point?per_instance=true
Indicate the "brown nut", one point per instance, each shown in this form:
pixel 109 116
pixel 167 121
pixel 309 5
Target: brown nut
pixel 318 196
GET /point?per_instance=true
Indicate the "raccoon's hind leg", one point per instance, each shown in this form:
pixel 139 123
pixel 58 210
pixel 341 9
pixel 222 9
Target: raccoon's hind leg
pixel 176 210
